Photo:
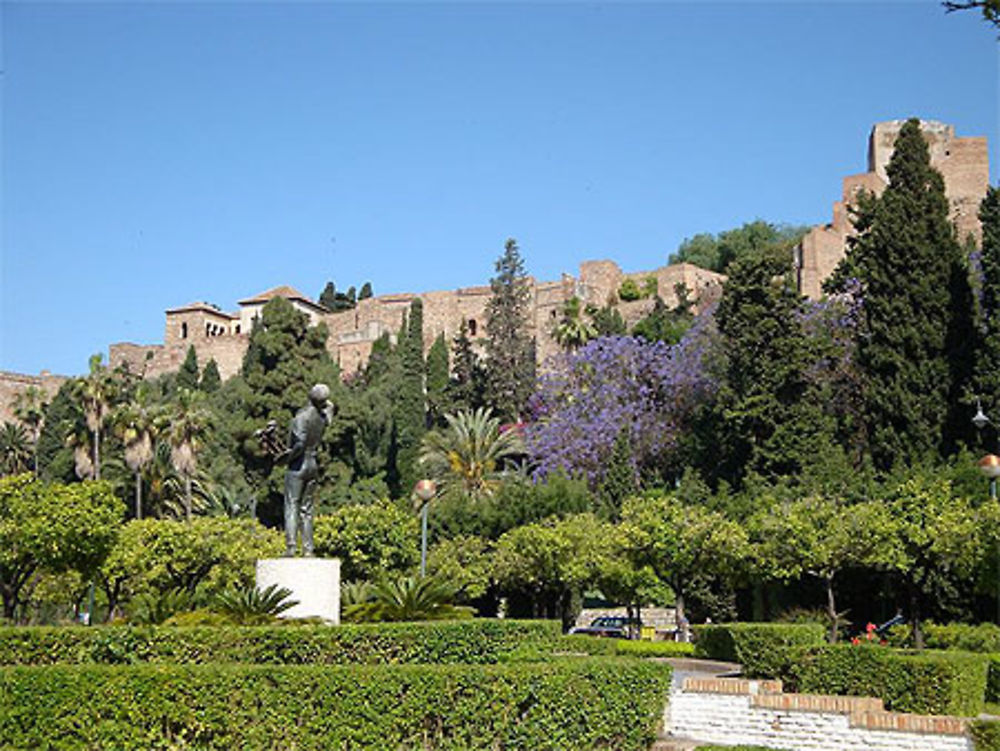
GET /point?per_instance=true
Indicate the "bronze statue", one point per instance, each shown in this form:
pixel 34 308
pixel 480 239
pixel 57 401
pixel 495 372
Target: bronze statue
pixel 304 436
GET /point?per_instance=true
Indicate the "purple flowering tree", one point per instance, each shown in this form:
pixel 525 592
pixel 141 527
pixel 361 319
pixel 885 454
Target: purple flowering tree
pixel 617 383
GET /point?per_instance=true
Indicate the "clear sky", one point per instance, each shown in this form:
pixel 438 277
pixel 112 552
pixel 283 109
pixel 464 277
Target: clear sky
pixel 158 154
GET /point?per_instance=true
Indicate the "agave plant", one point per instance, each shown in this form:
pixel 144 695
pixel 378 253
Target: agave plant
pixel 408 598
pixel 251 605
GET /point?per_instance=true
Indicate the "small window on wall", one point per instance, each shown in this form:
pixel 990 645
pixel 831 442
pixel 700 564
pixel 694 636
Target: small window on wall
pixel 472 327
pixel 184 330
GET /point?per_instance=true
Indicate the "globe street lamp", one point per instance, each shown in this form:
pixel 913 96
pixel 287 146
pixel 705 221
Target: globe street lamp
pixel 989 465
pixel 424 490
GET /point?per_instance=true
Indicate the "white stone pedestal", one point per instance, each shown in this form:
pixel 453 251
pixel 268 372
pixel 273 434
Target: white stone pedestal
pixel 314 582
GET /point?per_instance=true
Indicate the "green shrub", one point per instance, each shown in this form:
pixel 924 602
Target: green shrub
pixel 763 649
pixel 984 637
pixel 923 682
pixel 629 291
pixel 985 735
pixel 644 648
pixel 993 679
pixel 577 704
pixel 474 641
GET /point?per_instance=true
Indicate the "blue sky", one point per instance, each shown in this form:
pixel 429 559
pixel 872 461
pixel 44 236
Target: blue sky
pixel 157 154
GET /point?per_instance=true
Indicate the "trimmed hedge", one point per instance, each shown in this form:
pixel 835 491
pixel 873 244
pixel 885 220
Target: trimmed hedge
pixel 951 683
pixel 643 648
pixel 984 637
pixel 579 704
pixel 985 735
pixel 483 641
pixel 763 649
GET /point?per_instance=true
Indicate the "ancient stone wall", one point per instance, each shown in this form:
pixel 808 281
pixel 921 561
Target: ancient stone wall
pixel 962 162
pixel 13 384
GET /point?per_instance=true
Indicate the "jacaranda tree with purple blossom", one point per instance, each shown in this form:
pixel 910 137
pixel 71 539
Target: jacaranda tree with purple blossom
pixel 616 384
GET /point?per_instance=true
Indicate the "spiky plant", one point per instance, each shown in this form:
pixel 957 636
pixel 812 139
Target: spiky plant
pixel 409 598
pixel 251 605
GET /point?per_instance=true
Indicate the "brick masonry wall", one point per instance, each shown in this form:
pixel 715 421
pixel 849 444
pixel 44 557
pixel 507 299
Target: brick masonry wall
pixel 730 711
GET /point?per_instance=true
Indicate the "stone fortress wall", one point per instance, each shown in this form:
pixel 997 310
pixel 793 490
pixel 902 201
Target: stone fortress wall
pixel 962 162
pixel 222 336
pixel 12 384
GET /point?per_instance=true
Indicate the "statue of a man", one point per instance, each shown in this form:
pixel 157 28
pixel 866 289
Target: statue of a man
pixel 304 436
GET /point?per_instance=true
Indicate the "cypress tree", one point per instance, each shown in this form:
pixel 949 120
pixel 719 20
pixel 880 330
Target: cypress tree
pixel 328 297
pixel 467 385
pixel 913 340
pixel 366 291
pixel 987 382
pixel 510 358
pixel 765 423
pixel 410 403
pixel 620 481
pixel 187 376
pixel 211 380
pixel 437 381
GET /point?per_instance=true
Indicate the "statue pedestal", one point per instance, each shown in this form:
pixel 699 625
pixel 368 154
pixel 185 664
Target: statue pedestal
pixel 314 582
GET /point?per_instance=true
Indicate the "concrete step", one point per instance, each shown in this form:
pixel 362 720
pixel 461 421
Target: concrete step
pixel 674 744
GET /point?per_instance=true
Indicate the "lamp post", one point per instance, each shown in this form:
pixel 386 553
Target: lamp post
pixel 989 465
pixel 424 490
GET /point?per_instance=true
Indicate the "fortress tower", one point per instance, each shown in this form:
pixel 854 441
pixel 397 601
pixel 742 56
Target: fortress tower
pixel 963 162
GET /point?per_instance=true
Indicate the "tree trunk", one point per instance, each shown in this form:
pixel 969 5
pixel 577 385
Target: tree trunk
pixel 187 496
pixel 918 634
pixel 9 603
pixel 138 494
pixel 831 607
pixel 683 628
pixel 97 454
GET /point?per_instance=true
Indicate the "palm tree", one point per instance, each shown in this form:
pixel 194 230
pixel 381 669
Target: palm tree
pixel 15 454
pixel 96 392
pixel 135 422
pixel 189 423
pixel 78 438
pixel 469 454
pixel 574 330
pixel 29 408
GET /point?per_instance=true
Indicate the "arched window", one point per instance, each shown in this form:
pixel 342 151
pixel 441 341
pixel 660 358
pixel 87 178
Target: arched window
pixel 184 330
pixel 472 327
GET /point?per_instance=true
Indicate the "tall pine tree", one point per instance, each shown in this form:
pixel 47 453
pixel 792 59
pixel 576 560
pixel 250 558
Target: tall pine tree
pixel 915 331
pixel 510 349
pixel 410 403
pixel 987 382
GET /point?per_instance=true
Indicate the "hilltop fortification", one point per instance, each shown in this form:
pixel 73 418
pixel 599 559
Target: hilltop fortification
pixel 223 336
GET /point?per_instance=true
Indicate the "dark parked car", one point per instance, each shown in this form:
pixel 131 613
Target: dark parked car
pixel 610 626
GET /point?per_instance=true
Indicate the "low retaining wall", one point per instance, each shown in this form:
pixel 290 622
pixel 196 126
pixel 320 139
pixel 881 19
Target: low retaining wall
pixel 730 711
